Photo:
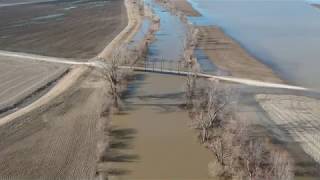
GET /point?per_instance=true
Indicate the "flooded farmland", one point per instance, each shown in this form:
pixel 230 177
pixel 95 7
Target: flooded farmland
pixel 286 39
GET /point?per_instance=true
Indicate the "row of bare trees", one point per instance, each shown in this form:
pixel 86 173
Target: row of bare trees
pixel 117 78
pixel 239 155
pixel 126 55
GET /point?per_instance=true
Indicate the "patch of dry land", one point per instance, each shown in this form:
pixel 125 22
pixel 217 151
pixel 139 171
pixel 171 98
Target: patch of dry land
pixel 21 81
pixel 72 29
pixel 231 57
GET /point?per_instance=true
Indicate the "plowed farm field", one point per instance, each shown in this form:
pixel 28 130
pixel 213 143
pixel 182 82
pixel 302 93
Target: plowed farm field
pixel 21 81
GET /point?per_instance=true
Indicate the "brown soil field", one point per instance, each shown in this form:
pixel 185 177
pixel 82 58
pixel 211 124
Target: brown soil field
pixel 75 71
pixel 56 136
pixel 20 80
pixel 298 116
pixel 57 140
pixel 72 29
pixel 262 115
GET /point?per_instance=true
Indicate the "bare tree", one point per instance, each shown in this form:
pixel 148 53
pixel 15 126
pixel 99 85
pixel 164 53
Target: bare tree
pixel 115 76
pixel 211 110
pixel 239 154
pixel 254 159
pixel 190 43
pixel 281 164
pixel 191 85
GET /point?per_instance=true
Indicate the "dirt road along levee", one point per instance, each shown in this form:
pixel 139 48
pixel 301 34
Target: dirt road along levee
pixel 55 137
pixel 128 32
pixel 76 71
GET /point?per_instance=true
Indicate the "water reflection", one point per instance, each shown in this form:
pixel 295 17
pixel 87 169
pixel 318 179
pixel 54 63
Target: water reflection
pixel 170 38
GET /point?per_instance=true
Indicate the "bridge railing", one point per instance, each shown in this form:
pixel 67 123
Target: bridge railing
pixel 165 64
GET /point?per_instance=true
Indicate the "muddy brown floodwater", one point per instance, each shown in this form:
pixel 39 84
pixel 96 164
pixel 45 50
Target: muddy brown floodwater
pixel 151 138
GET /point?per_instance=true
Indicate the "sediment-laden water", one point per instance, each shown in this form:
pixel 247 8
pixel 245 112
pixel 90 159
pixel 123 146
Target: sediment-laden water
pixel 151 138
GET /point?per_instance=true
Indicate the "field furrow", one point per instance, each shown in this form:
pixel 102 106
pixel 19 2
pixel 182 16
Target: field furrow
pixel 299 116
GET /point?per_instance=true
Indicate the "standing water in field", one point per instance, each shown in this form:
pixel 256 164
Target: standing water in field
pixel 282 34
pixel 169 41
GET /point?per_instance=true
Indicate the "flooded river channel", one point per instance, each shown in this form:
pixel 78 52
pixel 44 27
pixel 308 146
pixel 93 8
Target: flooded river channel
pixel 151 137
